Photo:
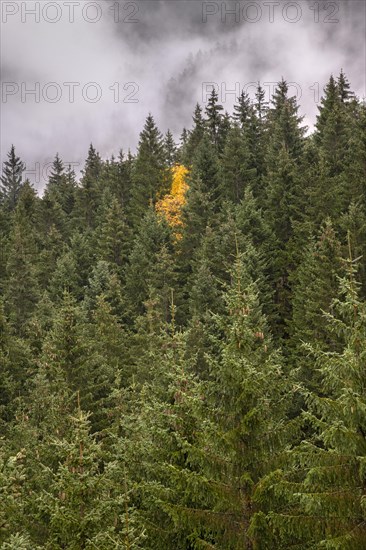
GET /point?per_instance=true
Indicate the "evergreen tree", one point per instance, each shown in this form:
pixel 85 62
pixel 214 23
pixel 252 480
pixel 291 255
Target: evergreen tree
pixel 52 248
pixel 82 246
pixel 84 505
pixel 15 368
pixel 170 149
pixel 114 236
pixel 60 190
pixel 65 277
pixel 284 125
pixel 87 197
pixel 355 165
pixel 235 165
pixel 330 195
pixel 260 105
pixel 143 399
pixel 57 173
pixel 243 110
pixel 73 361
pixel 181 152
pixel 344 88
pixel 324 488
pixel 327 104
pixel 12 501
pixel 214 119
pixel 202 199
pixel 149 176
pixel 285 195
pixel 69 191
pixel 21 288
pixel 150 273
pixel 102 282
pixel 162 425
pixel 248 430
pixel 116 177
pixel 315 285
pixel 353 233
pixel 194 137
pixel 11 179
pixel 257 136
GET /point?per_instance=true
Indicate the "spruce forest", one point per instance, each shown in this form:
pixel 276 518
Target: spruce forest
pixel 183 337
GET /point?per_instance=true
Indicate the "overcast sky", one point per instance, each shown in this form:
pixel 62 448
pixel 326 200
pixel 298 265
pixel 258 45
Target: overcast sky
pixel 97 68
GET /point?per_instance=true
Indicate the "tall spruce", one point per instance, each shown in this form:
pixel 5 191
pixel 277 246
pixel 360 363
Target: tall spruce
pixel 214 119
pixel 11 179
pixel 150 177
pixel 87 197
pixel 323 484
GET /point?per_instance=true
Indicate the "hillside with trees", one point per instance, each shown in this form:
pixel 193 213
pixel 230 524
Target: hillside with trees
pixel 183 337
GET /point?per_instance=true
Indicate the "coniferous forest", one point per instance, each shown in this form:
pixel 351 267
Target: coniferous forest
pixel 183 337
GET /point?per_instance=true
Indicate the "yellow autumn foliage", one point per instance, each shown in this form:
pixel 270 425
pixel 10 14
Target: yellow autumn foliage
pixel 170 206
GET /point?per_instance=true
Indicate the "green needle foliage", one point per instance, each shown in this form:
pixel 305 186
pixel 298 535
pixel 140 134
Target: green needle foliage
pixel 182 336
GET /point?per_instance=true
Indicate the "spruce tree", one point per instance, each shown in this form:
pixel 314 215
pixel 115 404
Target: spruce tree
pixel 194 136
pixel 116 177
pixel 21 287
pixel 87 197
pixel 65 276
pixel 285 198
pixel 353 233
pixel 60 190
pixel 15 368
pixel 57 173
pixel 245 422
pixel 203 196
pixel 76 363
pixel 69 191
pixel 322 486
pixel 214 119
pixel 354 171
pixel 12 509
pixel 243 110
pixel 52 249
pixel 327 104
pixel 114 236
pixel 260 105
pixel 331 193
pixel 236 168
pixel 103 281
pixel 314 286
pixel 150 273
pixel 150 178
pixel 170 149
pixel 257 137
pixel 11 180
pixel 344 88
pixel 160 437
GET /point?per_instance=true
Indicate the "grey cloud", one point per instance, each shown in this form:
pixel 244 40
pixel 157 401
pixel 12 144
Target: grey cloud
pixel 169 53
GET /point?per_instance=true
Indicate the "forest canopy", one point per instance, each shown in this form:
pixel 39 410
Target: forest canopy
pixel 183 337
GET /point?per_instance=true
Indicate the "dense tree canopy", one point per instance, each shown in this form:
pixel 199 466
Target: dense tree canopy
pixel 183 337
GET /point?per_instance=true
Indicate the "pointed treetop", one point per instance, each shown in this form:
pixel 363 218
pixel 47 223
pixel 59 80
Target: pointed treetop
pixel 344 88
pixel 11 179
pixel 243 109
pixel 57 171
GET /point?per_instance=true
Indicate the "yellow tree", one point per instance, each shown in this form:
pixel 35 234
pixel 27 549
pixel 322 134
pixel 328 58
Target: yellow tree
pixel 170 206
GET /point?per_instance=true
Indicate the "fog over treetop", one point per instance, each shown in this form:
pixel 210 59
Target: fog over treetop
pixel 155 56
